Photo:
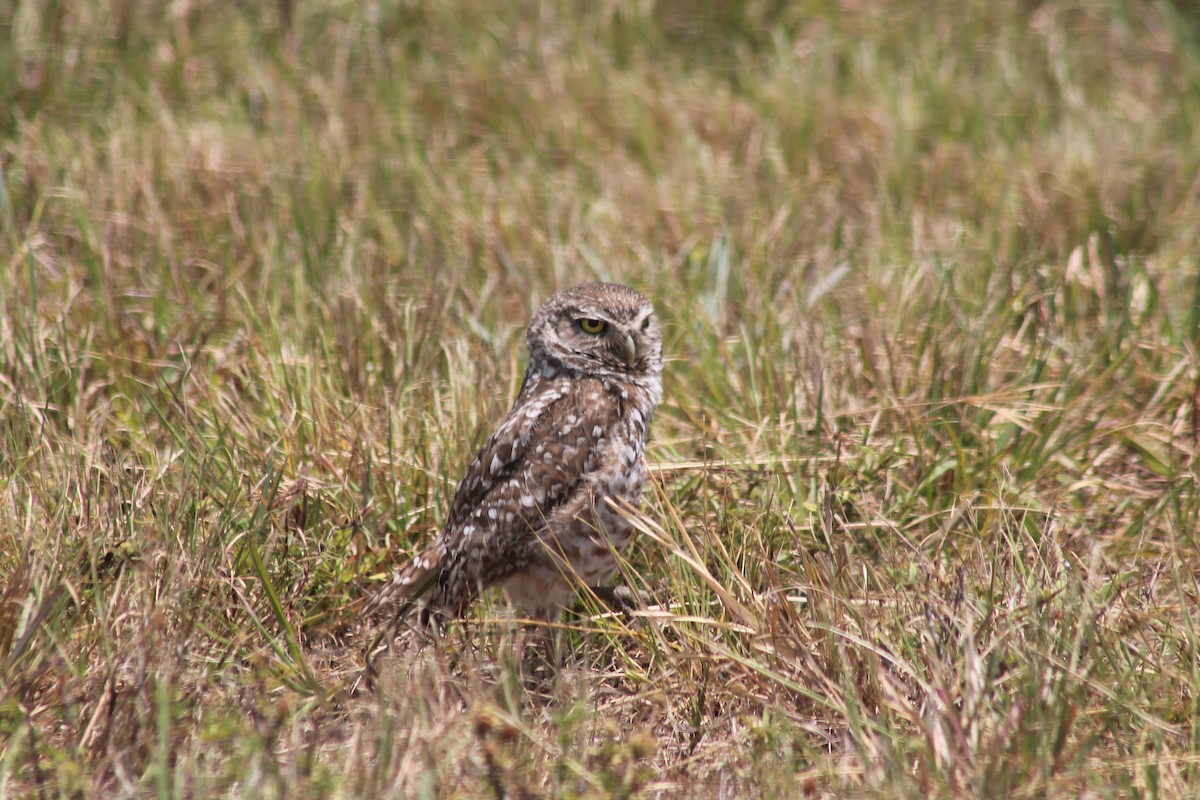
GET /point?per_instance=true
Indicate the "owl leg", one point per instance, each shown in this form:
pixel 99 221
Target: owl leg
pixel 620 598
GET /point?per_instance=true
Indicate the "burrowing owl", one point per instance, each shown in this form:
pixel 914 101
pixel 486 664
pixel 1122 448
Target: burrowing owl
pixel 532 514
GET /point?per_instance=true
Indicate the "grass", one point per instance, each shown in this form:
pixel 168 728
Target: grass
pixel 924 514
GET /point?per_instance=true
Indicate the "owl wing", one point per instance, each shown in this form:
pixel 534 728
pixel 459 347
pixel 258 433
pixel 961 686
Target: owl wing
pixel 535 462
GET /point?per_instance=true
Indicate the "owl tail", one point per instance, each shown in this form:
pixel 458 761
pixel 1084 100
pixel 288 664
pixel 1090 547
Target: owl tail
pixel 407 584
pixel 396 599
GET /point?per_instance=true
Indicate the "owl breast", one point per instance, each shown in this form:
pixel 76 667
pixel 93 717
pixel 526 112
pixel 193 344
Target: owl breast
pixel 584 538
pixel 623 482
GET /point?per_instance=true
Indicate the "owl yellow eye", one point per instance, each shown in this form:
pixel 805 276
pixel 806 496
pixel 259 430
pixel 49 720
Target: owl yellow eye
pixel 592 325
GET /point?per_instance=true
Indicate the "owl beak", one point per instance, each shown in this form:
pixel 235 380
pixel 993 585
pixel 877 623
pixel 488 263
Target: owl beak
pixel 630 350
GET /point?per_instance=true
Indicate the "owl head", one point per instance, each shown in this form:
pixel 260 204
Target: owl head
pixel 602 329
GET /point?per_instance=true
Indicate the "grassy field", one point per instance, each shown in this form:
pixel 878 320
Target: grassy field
pixel 924 513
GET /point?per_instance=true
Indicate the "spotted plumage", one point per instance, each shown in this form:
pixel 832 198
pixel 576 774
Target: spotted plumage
pixel 532 514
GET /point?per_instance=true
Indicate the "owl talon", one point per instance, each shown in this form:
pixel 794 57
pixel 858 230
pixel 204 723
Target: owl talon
pixel 619 599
